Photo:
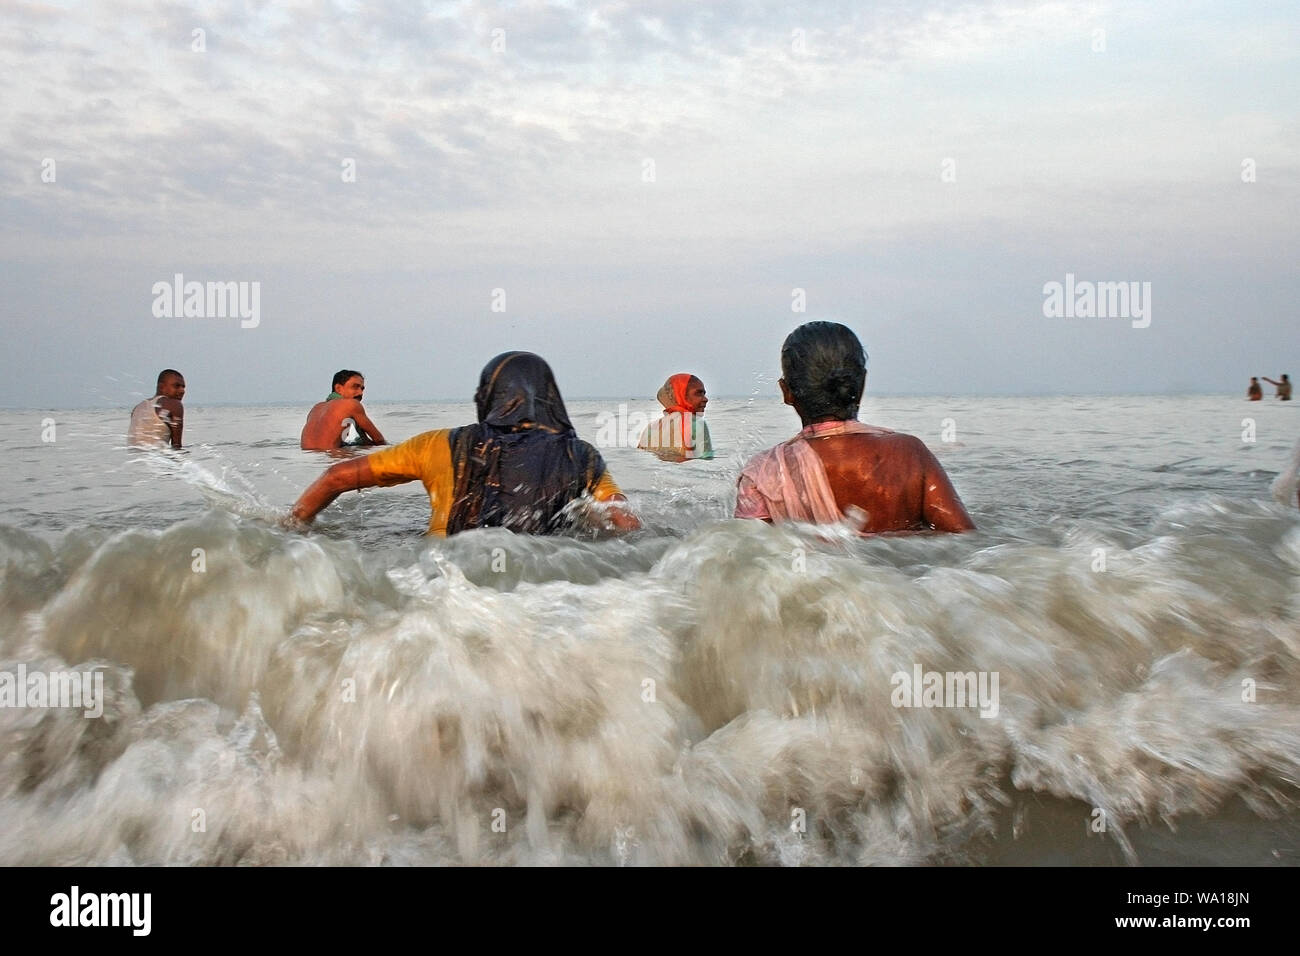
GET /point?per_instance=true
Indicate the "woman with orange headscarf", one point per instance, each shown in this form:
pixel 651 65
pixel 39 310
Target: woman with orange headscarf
pixel 680 434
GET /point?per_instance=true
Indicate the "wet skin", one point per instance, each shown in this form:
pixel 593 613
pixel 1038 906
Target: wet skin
pixel 324 426
pixel 894 479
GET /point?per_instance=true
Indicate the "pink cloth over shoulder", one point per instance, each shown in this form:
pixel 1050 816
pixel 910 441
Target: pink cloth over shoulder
pixel 788 482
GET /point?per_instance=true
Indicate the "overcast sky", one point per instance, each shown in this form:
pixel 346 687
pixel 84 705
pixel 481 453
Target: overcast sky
pixel 649 184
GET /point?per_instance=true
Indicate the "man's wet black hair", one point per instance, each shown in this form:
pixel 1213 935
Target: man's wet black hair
pixel 342 375
pixel 825 368
pixel 166 374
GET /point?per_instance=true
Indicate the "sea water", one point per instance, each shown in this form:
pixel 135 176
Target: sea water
pixel 1107 671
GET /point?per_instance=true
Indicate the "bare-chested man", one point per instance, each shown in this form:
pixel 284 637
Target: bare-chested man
pixel 835 467
pixel 161 419
pixel 340 420
pixel 1283 387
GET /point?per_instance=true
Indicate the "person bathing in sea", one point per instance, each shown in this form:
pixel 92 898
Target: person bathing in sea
pixel 1283 387
pixel 160 420
pixel 340 420
pixel 519 467
pixel 680 434
pixel 884 481
pixel 1256 391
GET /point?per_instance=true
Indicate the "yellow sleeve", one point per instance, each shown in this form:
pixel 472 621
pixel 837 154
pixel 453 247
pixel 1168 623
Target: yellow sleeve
pixel 605 487
pixel 427 458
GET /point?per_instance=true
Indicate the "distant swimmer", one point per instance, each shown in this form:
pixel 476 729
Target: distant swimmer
pixel 680 434
pixel 1256 391
pixel 1283 387
pixel 886 481
pixel 519 467
pixel 340 421
pixel 160 420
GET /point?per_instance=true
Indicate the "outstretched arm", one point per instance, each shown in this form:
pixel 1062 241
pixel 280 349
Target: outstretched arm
pixel 351 475
pixel 1269 380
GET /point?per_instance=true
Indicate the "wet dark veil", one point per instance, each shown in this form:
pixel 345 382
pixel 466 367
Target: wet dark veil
pixel 522 463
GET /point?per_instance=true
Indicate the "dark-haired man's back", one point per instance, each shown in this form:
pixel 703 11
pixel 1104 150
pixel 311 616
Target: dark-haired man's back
pixel 837 467
pixel 894 479
pixel 883 481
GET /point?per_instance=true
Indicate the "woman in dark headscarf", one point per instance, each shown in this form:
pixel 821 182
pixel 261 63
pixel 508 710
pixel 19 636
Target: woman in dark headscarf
pixel 522 464
pixel 519 467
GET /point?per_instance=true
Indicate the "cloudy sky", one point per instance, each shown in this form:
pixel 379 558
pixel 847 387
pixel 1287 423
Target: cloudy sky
pixel 635 189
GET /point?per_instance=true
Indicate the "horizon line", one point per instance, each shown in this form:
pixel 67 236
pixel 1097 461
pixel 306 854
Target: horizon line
pixel 624 398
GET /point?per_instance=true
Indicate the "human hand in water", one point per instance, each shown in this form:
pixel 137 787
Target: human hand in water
pixel 291 522
pixel 613 514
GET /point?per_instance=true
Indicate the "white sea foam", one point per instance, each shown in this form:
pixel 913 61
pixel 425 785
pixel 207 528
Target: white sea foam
pixel 709 691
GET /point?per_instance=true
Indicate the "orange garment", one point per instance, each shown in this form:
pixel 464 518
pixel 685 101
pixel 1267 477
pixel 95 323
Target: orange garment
pixel 672 395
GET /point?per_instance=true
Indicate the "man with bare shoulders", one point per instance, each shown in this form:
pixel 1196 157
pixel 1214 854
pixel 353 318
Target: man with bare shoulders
pixel 340 420
pixel 160 420
pixel 883 481
pixel 1283 387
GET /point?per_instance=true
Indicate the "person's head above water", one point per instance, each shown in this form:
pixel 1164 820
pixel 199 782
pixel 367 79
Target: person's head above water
pixel 171 384
pixel 683 392
pixel 824 371
pixel 521 466
pixel 348 383
pixel 517 391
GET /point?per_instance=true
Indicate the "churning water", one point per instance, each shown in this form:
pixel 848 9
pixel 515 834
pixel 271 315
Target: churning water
pixel 705 691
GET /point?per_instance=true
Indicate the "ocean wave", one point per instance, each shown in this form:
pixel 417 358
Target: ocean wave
pixel 727 695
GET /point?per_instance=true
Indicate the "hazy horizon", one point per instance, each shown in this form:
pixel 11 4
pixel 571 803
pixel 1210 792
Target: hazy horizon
pixel 306 403
pixel 632 190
